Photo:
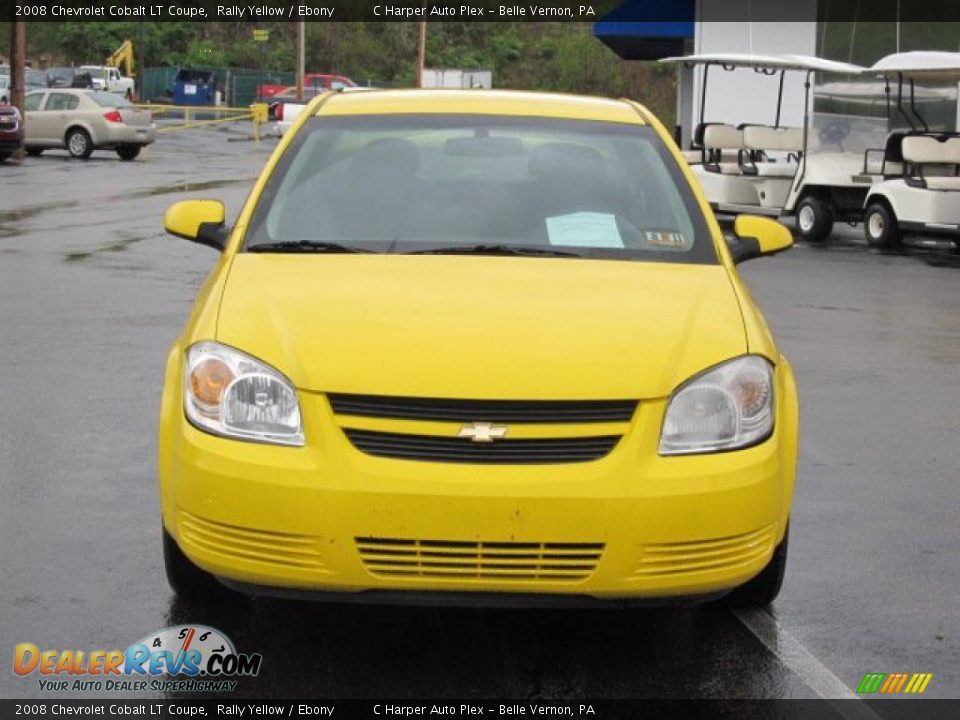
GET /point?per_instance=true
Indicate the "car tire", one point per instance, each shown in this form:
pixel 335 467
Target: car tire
pixel 881 227
pixel 190 582
pixel 128 152
pixel 815 219
pixel 4 156
pixel 34 151
pixel 764 588
pixel 79 144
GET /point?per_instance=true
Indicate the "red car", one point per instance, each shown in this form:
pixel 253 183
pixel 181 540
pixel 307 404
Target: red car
pixel 311 81
pixel 11 131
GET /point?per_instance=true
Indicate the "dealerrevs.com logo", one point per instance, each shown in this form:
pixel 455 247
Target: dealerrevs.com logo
pixel 201 658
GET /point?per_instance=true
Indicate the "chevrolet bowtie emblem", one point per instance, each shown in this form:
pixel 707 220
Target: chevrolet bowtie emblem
pixel 480 432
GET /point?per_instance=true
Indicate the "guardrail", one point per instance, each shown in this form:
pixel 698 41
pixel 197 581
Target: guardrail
pixel 196 116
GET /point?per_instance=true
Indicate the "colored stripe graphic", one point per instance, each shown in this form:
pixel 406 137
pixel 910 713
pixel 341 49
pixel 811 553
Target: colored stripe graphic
pixel 918 683
pixel 894 683
pixel 871 682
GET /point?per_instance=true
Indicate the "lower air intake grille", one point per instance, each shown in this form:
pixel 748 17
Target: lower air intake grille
pixel 293 551
pixel 461 450
pixel 486 560
pixel 682 558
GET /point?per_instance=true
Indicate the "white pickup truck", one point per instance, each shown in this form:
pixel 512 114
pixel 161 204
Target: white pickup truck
pixel 109 79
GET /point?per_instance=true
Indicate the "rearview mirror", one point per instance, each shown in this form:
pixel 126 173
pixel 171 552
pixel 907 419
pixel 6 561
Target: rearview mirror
pixel 758 236
pixel 198 220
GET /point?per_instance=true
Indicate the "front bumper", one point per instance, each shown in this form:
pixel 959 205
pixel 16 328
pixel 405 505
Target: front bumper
pixel 328 518
pixel 10 142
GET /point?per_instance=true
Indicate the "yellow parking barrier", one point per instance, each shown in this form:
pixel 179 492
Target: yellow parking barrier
pixel 258 113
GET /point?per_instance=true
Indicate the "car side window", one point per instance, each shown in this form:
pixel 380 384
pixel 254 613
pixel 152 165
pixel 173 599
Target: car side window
pixel 32 102
pixel 62 101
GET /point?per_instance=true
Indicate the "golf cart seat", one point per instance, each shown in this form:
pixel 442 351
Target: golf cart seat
pixel 759 140
pixel 890 163
pixel 939 153
pixel 722 141
pixel 697 154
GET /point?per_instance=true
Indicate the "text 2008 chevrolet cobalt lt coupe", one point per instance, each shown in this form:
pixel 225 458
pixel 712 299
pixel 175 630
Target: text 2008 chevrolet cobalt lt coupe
pixel 477 347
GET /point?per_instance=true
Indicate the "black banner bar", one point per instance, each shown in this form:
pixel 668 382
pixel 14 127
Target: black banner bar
pixel 480 11
pixel 166 709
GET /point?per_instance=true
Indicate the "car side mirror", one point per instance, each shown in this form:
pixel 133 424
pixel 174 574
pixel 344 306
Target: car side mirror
pixel 757 236
pixel 201 221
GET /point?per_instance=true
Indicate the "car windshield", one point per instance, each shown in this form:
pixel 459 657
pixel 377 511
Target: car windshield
pixel 106 99
pixel 484 183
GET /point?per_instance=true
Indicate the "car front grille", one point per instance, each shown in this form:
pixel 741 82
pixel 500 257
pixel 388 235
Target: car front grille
pixel 682 558
pixel 8 125
pixel 458 450
pixel 493 411
pixel 292 551
pixel 517 561
pixel 526 431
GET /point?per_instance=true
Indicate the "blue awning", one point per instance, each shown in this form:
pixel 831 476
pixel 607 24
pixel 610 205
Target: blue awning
pixel 648 29
pixel 606 28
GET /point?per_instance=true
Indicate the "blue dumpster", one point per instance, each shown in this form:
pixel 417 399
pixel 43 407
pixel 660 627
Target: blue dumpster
pixel 194 87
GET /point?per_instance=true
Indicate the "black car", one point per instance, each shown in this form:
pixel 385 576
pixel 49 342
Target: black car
pixel 68 77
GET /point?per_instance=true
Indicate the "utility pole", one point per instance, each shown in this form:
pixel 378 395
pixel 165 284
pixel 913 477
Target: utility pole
pixel 301 55
pixel 421 53
pixel 18 61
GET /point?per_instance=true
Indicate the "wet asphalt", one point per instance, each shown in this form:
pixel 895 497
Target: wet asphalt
pixel 92 292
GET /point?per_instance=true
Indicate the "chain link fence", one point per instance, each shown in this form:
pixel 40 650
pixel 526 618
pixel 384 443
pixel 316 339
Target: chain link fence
pixel 237 87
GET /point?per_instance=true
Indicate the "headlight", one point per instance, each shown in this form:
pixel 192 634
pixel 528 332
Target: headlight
pixel 226 392
pixel 727 407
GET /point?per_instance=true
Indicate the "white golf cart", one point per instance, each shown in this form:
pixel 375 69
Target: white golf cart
pixel 776 170
pixel 921 196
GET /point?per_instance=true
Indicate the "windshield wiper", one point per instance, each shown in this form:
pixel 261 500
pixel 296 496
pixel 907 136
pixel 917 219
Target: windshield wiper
pixel 305 246
pixel 495 249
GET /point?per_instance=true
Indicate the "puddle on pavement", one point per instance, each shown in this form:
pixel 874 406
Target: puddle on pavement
pixel 29 211
pixel 120 245
pixel 809 306
pixel 184 187
pixel 9 219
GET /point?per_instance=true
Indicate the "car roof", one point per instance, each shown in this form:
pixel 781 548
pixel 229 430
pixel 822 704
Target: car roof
pixel 69 91
pixel 480 102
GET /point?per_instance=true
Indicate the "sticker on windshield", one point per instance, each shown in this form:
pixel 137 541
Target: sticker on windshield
pixel 584 229
pixel 666 239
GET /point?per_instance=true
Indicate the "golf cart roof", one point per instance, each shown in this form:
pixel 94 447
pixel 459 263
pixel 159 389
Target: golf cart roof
pixel 920 64
pixel 874 90
pixel 769 62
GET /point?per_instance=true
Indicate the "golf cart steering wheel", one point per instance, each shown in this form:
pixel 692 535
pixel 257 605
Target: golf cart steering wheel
pixel 834 134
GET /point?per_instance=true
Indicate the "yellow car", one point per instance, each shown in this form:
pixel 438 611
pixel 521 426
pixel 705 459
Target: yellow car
pixel 477 347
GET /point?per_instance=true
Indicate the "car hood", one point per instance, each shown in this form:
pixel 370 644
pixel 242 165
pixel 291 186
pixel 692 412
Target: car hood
pixel 481 327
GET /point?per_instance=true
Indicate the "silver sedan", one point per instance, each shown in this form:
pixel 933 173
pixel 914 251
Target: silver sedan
pixel 86 120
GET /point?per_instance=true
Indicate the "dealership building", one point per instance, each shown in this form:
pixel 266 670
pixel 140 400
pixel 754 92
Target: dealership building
pixel 850 31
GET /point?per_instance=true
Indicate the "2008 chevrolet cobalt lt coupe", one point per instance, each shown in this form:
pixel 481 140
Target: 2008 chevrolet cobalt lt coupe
pixel 477 347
